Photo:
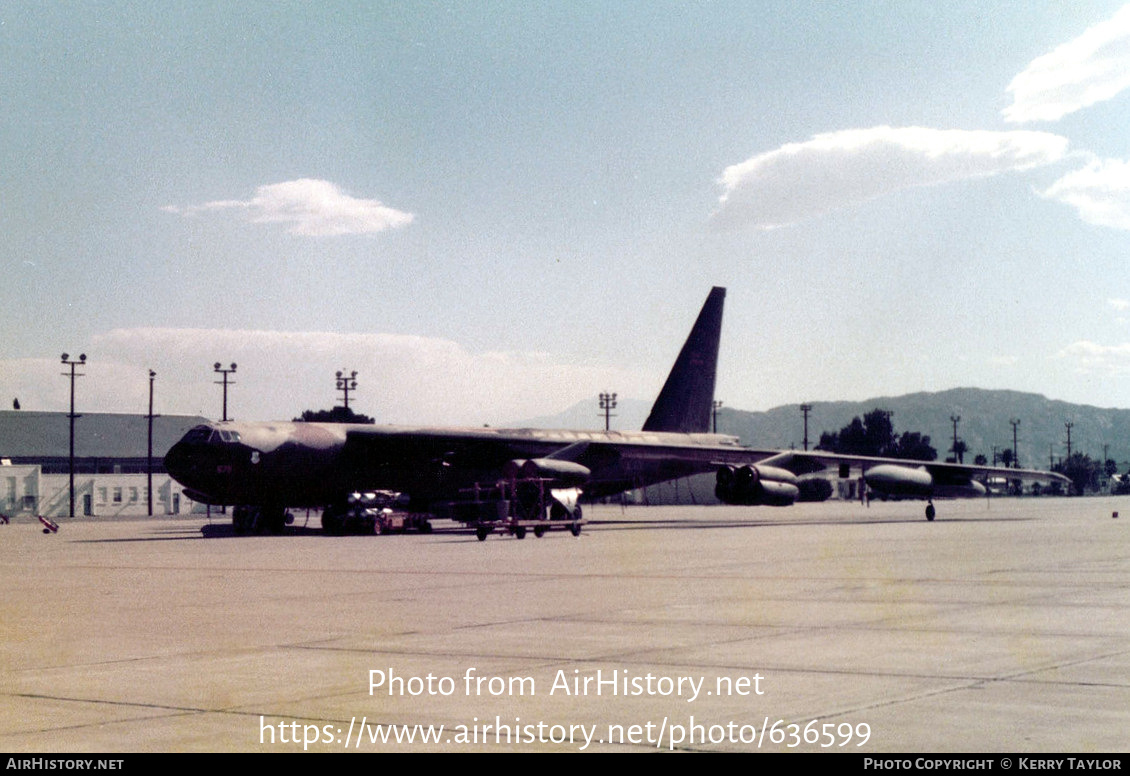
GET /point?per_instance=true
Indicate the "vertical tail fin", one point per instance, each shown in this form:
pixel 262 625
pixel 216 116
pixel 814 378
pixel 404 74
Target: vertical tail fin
pixel 687 398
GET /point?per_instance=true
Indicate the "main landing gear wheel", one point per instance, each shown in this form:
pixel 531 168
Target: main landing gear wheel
pixel 332 522
pixel 273 519
pixel 930 512
pixel 242 520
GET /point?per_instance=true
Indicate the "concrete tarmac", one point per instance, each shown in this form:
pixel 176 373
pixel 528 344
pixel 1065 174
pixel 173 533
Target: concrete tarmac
pixel 1001 627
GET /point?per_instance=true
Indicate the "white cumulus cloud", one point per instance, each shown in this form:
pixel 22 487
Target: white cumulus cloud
pixel 1091 357
pixel 403 379
pixel 312 208
pixel 835 169
pixel 1100 192
pixel 1092 68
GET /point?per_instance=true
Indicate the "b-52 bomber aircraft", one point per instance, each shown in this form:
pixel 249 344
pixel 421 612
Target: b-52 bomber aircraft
pixel 262 469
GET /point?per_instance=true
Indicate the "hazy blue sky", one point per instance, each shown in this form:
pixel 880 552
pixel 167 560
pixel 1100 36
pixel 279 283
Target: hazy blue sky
pixel 492 210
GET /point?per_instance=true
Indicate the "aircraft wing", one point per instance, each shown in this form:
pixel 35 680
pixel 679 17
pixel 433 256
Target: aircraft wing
pixel 774 480
pixel 627 464
pixel 813 461
pixel 396 447
pixel 431 461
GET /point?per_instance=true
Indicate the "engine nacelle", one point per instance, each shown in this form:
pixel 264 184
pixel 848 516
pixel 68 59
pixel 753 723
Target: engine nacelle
pixel 814 489
pixel 752 485
pixel 557 473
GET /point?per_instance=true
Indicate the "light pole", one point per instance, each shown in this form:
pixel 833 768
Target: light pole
pixel 1015 452
pixel 806 408
pixel 714 407
pixel 345 384
pixel 149 459
pixel 607 403
pixel 957 455
pixel 225 372
pixel 71 467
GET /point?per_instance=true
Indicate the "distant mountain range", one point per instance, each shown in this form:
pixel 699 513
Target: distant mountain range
pixel 984 423
pixel 629 414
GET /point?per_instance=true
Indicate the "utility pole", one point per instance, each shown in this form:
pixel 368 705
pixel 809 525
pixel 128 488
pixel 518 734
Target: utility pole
pixel 1068 424
pixel 225 372
pixel 149 460
pixel 714 407
pixel 1015 452
pixel 806 408
pixel 955 419
pixel 71 467
pixel 345 384
pixel 607 404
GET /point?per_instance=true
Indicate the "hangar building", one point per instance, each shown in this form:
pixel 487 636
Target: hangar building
pixel 111 464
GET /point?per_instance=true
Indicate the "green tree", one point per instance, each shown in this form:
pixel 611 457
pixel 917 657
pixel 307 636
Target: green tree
pixel 915 446
pixel 1081 470
pixel 874 435
pixel 336 415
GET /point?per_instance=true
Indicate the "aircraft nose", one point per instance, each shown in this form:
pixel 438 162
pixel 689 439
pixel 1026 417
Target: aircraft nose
pixel 178 462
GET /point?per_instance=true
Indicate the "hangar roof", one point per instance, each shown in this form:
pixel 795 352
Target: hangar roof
pixel 28 434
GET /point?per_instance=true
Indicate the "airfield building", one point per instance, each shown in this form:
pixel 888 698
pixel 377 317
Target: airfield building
pixel 111 464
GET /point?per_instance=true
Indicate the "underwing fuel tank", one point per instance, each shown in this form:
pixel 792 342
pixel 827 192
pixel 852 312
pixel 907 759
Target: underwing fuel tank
pixel 895 480
pixel 899 480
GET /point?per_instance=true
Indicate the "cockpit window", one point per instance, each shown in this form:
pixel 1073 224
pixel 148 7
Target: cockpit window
pixel 198 434
pixel 205 434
